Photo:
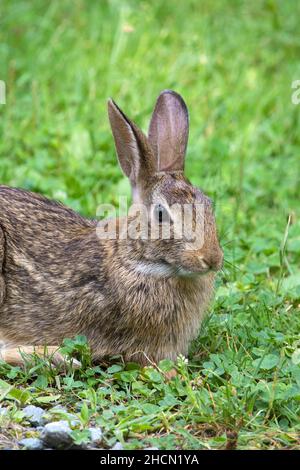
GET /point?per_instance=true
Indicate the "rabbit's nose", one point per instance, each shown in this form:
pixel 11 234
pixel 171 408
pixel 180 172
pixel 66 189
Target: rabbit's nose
pixel 212 260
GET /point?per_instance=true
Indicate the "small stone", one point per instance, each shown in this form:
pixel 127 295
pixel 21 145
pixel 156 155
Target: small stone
pixel 57 435
pixel 151 448
pixel 61 412
pixel 34 414
pixel 117 446
pixel 96 434
pixel 3 411
pixel 59 408
pixel 74 423
pixel 31 443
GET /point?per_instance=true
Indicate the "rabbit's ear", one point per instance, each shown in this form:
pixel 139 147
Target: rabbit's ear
pixel 169 131
pixel 134 152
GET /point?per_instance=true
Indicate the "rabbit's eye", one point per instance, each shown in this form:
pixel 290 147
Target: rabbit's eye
pixel 161 214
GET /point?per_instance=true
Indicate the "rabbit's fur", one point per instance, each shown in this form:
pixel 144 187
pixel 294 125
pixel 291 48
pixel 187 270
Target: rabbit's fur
pixel 142 299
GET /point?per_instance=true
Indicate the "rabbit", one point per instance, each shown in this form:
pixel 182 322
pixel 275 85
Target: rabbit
pixel 142 299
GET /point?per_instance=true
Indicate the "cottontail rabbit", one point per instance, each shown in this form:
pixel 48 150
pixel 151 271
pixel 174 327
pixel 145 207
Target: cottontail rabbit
pixel 141 298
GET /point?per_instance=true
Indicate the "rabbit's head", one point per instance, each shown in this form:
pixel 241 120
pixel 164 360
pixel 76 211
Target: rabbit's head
pixel 181 236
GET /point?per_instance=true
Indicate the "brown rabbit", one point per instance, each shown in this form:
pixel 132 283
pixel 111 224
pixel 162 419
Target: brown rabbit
pixel 140 298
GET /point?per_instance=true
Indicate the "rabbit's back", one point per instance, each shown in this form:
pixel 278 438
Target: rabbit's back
pixel 44 261
pixel 19 209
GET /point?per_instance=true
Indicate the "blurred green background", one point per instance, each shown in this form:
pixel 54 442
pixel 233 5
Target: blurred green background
pixel 234 63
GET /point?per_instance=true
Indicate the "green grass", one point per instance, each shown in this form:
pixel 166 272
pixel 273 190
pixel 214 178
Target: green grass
pixel 234 63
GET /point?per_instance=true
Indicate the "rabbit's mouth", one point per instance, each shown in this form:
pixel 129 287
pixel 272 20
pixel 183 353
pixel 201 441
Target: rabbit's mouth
pixel 162 268
pixel 183 272
pixel 158 268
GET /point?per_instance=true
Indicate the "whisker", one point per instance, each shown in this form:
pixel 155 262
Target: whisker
pixel 228 242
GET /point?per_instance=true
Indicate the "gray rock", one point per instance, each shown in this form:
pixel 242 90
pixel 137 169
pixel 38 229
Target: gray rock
pixel 60 412
pixel 117 446
pixel 3 411
pixel 74 422
pixel 96 434
pixel 34 414
pixel 151 448
pixel 31 443
pixel 57 435
pixel 59 408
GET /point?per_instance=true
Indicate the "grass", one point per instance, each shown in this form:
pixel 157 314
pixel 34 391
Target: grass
pixel 234 63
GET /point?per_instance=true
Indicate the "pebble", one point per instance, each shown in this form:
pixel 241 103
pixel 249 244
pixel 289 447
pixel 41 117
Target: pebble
pixel 31 443
pixel 96 434
pixel 34 414
pixel 59 408
pixel 117 446
pixel 72 419
pixel 57 435
pixel 3 411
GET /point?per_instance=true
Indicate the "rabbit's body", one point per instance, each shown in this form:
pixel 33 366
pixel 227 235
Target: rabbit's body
pixel 139 298
pixel 68 282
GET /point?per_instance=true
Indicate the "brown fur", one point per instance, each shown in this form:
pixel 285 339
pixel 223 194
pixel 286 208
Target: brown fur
pixel 58 279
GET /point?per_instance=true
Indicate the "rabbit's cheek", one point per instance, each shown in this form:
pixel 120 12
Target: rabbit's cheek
pixel 194 262
pixel 159 269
